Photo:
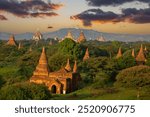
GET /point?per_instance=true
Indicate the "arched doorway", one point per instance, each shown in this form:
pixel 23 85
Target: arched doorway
pixel 53 89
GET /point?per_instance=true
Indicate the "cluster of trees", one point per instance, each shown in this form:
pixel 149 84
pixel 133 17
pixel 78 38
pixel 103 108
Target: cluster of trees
pixel 100 70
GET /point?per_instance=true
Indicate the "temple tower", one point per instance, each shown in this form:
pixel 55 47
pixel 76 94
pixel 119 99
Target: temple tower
pixel 75 67
pixel 119 54
pixel 81 38
pixel 69 35
pixel 12 41
pixel 68 68
pixel 141 59
pixel 133 53
pixel 42 68
pixel 86 56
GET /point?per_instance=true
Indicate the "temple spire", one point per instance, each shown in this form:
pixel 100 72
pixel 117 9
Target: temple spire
pixel 42 68
pixel 12 41
pixel 75 67
pixel 141 59
pixel 86 56
pixel 81 38
pixel 68 68
pixel 119 53
pixel 30 49
pixel 69 35
pixel 19 46
pixel 133 53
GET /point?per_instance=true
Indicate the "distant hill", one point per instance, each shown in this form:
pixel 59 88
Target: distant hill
pixel 90 35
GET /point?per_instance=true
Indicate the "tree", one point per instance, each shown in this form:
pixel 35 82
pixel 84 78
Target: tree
pixel 137 76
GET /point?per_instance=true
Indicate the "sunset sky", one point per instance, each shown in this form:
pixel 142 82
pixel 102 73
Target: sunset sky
pixel 115 16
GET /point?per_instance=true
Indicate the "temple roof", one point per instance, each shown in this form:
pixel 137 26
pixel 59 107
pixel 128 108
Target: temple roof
pixel 75 67
pixel 81 37
pixel 37 36
pixel 12 41
pixel 86 56
pixel 101 38
pixel 141 56
pixel 42 67
pixel 133 53
pixel 68 68
pixel 69 35
pixel 119 54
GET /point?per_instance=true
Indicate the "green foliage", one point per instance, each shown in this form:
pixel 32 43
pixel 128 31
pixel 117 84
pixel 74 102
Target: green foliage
pixel 138 76
pixel 124 62
pixel 71 48
pixel 24 91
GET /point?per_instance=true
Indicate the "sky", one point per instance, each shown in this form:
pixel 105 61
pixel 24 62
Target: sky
pixel 112 16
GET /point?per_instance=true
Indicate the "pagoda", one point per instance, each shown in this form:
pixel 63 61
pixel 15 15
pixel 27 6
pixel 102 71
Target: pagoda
pixel 75 67
pixel 141 59
pixel 12 41
pixel 37 36
pixel 133 53
pixel 86 56
pixel 101 39
pixel 58 82
pixel 42 68
pixel 68 68
pixel 81 38
pixel 119 54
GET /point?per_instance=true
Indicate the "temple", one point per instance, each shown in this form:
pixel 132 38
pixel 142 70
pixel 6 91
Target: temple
pixel 101 39
pixel 59 82
pixel 133 53
pixel 119 54
pixel 81 38
pixel 86 56
pixel 37 36
pixel 141 59
pixel 12 41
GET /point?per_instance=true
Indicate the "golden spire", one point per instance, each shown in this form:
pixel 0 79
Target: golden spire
pixel 12 41
pixel 42 68
pixel 69 35
pixel 75 67
pixel 133 53
pixel 86 56
pixel 81 37
pixel 141 56
pixel 119 53
pixel 68 68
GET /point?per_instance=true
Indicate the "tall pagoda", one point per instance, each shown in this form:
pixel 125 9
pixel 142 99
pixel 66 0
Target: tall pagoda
pixel 141 59
pixel 81 38
pixel 86 56
pixel 119 54
pixel 12 41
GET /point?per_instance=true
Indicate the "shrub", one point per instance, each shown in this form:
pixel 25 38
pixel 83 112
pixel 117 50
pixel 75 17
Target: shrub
pixel 137 76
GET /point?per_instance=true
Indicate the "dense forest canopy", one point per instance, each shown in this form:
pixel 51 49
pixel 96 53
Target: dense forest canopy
pixel 99 73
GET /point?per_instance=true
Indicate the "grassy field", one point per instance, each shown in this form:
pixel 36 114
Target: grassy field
pixel 110 93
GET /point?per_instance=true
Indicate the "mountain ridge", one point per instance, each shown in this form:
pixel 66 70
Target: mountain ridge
pixel 89 34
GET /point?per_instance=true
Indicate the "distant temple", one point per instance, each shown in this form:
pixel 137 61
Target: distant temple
pixel 133 53
pixel 101 38
pixel 37 36
pixel 141 59
pixel 86 56
pixel 60 82
pixel 81 38
pixel 68 36
pixel 12 41
pixel 119 54
pixel 20 46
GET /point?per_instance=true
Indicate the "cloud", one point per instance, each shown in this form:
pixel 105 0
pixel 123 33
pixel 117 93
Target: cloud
pixel 29 8
pixel 2 17
pixel 112 2
pixel 131 15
